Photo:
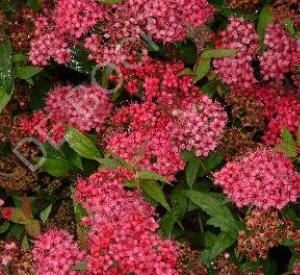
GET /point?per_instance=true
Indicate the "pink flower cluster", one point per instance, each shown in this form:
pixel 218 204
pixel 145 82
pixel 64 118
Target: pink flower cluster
pixel 154 136
pixel 146 141
pixel 117 24
pixel 160 82
pixel 85 107
pixel 281 110
pixel 237 70
pixel 282 54
pixel 55 252
pixel 57 30
pixel 122 238
pixel 200 125
pixel 265 179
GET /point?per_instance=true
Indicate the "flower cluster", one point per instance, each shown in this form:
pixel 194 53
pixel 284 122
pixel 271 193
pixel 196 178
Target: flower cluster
pixel 55 252
pixel 122 237
pixel 154 136
pixel 237 70
pixel 281 109
pixel 85 107
pixel 159 82
pixel 122 27
pixel 282 54
pixel 200 125
pixel 264 179
pixel 264 230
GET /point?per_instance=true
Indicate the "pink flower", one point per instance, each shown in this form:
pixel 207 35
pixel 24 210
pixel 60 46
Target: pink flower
pixel 237 70
pixel 122 237
pixel 55 252
pixel 264 178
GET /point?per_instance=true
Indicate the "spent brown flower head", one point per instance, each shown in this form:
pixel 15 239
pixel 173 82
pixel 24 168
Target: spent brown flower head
pixel 264 230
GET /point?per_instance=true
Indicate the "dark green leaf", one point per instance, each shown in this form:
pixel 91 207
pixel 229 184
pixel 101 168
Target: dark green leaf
pixel 149 175
pixel 27 72
pixel 57 167
pixel 4 98
pixel 4 227
pixel 82 145
pixel 25 244
pixel 154 191
pixel 80 61
pixel 192 170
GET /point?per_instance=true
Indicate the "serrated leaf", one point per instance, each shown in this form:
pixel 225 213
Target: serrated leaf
pixel 154 191
pixel 82 145
pixel 225 224
pixel 202 68
pixel 44 215
pixel 27 72
pixel 218 53
pixel 289 144
pixel 33 228
pixel 223 241
pixel 149 175
pixel 57 167
pixel 192 170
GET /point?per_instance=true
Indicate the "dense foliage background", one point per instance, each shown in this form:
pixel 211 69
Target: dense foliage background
pixel 149 137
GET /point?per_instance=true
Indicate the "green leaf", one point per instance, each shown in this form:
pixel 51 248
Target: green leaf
pixel 289 26
pixel 80 61
pixel 108 163
pixel 225 224
pixel 192 170
pixel 212 161
pixel 223 241
pixel 265 18
pixel 4 98
pixel 44 215
pixel 289 144
pixel 82 266
pixel 19 58
pixel 25 244
pixel 27 72
pixel 79 211
pixel 186 71
pixel 34 4
pixel 149 175
pixel 82 145
pixel 298 137
pixel 154 191
pixel 33 228
pixel 210 88
pixel 57 167
pixel 202 68
pixel 218 53
pixel 4 227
